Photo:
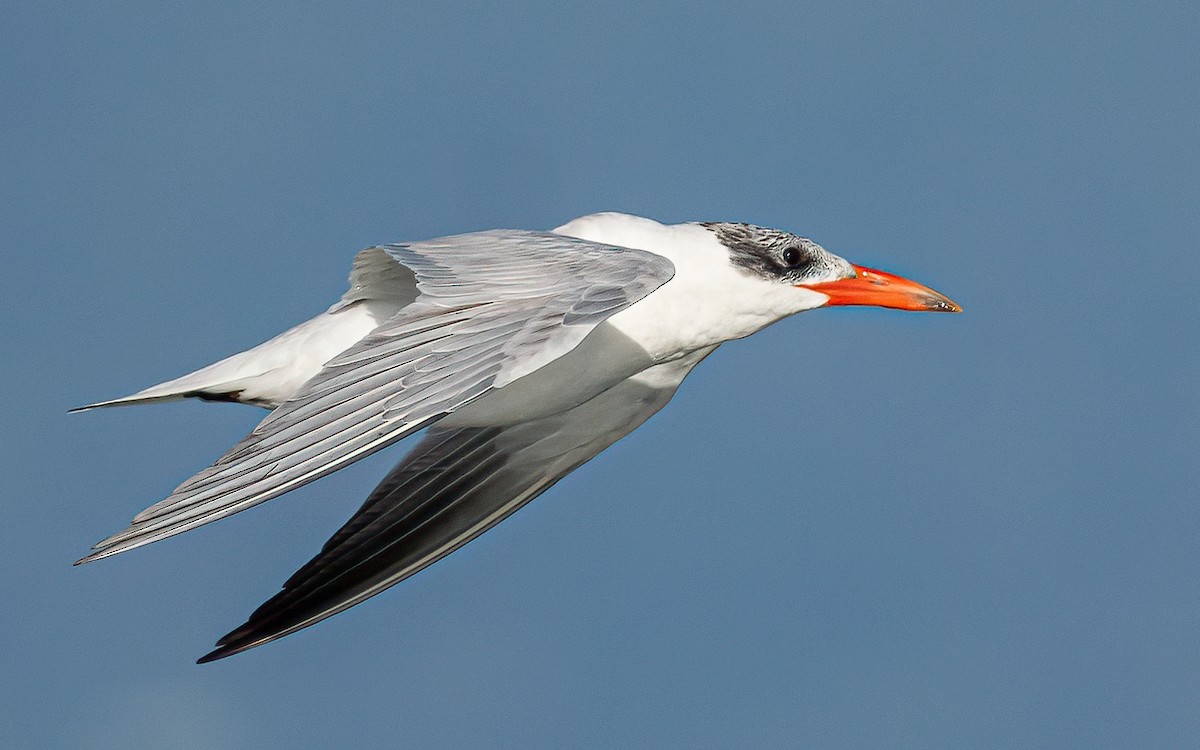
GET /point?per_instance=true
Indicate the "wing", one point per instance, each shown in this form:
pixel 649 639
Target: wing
pixel 493 306
pixel 454 485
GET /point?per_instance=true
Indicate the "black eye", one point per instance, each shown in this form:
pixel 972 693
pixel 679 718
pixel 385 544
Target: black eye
pixel 791 256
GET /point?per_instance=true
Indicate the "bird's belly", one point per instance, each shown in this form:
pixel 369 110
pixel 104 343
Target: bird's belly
pixel 600 361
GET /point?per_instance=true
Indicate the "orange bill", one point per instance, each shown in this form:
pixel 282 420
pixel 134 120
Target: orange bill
pixel 882 289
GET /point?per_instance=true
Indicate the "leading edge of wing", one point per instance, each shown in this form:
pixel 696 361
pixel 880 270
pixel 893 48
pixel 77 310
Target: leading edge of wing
pixel 493 306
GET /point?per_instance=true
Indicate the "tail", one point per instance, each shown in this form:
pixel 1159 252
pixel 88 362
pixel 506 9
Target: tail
pixel 273 371
pixel 227 380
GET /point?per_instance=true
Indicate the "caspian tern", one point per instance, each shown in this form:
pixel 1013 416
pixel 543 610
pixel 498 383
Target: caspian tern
pixel 523 354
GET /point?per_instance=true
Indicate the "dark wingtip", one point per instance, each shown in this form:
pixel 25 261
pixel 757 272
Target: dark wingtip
pixel 93 557
pixel 223 650
pixel 214 655
pixel 234 642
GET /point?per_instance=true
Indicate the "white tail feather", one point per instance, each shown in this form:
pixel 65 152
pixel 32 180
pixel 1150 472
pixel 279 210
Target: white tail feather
pixel 271 372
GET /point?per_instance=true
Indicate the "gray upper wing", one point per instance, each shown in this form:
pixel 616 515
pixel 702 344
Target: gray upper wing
pixel 376 275
pixel 492 307
pixel 454 485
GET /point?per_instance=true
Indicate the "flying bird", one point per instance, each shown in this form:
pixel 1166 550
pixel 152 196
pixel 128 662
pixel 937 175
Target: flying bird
pixel 522 355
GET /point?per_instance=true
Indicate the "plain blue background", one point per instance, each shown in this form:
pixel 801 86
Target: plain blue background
pixel 856 529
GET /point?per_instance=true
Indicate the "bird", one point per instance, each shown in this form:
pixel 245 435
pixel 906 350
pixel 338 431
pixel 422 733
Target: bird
pixel 520 354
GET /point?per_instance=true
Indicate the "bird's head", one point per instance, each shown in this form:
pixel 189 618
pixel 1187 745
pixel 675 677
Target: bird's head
pixel 784 258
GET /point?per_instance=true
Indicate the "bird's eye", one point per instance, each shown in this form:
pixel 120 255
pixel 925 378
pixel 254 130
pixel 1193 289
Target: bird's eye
pixel 791 256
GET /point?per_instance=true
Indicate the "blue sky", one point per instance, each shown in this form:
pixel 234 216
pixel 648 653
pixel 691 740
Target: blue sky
pixel 855 529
